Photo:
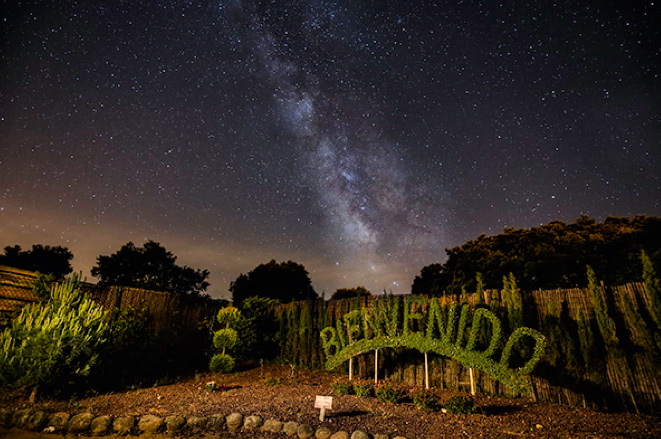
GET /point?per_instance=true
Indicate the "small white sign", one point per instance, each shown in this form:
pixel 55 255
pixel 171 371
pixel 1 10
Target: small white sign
pixel 323 402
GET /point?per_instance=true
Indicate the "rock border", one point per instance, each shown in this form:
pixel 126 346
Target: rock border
pixel 99 425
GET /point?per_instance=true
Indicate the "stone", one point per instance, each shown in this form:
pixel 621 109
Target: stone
pixel 59 421
pixel 340 435
pixel 80 422
pixel 304 431
pixel 215 422
pixel 253 422
pixel 290 428
pixel 101 424
pixel 37 421
pixel 6 416
pixel 174 423
pixel 20 417
pixel 234 421
pixel 323 433
pixel 359 434
pixel 272 425
pixel 196 423
pixel 381 436
pixel 123 424
pixel 150 423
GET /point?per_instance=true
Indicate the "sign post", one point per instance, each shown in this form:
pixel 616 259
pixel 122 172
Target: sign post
pixel 324 403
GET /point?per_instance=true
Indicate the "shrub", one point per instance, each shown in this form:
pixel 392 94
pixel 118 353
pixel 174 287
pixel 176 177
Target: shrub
pixel 221 363
pixel 54 342
pixel 389 393
pixel 363 389
pixel 126 358
pixel 424 399
pixel 460 404
pixel 225 338
pixel 342 387
pixel 271 381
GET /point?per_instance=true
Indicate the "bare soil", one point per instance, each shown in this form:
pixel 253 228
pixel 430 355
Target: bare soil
pixel 288 395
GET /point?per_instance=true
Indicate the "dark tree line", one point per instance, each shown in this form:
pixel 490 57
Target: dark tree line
pixel 151 267
pixel 282 281
pixel 350 293
pixel 554 255
pixel 55 260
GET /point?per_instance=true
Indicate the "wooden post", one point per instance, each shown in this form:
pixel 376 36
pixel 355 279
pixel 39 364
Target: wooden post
pixel 350 368
pixel 470 373
pixel 426 372
pixel 376 366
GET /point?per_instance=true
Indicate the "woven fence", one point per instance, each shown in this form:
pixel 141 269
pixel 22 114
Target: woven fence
pixel 625 377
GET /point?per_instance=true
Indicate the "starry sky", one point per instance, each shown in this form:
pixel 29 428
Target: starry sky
pixel 358 138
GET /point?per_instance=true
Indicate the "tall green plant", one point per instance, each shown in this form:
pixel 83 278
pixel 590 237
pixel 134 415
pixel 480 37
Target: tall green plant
pixel 225 338
pixel 653 286
pixel 479 288
pixel 561 352
pixel 513 301
pixel 604 321
pixel 586 340
pixel 637 324
pixel 54 342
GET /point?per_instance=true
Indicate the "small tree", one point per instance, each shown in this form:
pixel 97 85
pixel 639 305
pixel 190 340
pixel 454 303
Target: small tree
pixel 653 286
pixel 53 342
pixel 598 299
pixel 225 338
pixel 513 301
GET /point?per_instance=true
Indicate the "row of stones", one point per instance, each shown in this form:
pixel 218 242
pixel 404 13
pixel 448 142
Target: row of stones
pixel 83 422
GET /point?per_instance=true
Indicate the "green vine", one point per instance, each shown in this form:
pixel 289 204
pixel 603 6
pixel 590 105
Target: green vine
pixel 444 335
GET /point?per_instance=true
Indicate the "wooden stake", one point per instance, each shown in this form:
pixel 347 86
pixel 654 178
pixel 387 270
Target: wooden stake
pixel 470 373
pixel 350 369
pixel 376 366
pixel 426 372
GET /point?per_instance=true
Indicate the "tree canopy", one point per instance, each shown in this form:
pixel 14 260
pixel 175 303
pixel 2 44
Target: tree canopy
pixel 283 281
pixel 151 267
pixel 554 255
pixel 348 293
pixel 45 259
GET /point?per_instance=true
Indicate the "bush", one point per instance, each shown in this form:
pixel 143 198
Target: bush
pixel 342 387
pixel 389 393
pixel 221 363
pixel 54 342
pixel 271 381
pixel 460 404
pixel 225 338
pixel 363 389
pixel 127 358
pixel 424 399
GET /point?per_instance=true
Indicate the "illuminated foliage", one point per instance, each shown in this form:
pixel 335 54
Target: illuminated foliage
pixel 386 327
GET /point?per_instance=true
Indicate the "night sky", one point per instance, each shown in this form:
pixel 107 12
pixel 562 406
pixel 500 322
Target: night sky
pixel 358 138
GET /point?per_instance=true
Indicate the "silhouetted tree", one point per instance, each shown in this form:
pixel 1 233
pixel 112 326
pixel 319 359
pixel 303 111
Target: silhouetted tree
pixel 349 293
pixel 284 281
pixel 44 259
pixel 151 267
pixel 553 255
pixel 428 281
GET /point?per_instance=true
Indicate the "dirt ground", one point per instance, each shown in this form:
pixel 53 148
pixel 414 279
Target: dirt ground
pixel 288 395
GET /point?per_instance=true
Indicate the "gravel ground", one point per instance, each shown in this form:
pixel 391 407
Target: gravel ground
pixel 293 400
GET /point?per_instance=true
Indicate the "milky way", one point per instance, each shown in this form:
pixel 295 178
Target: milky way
pixel 360 139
